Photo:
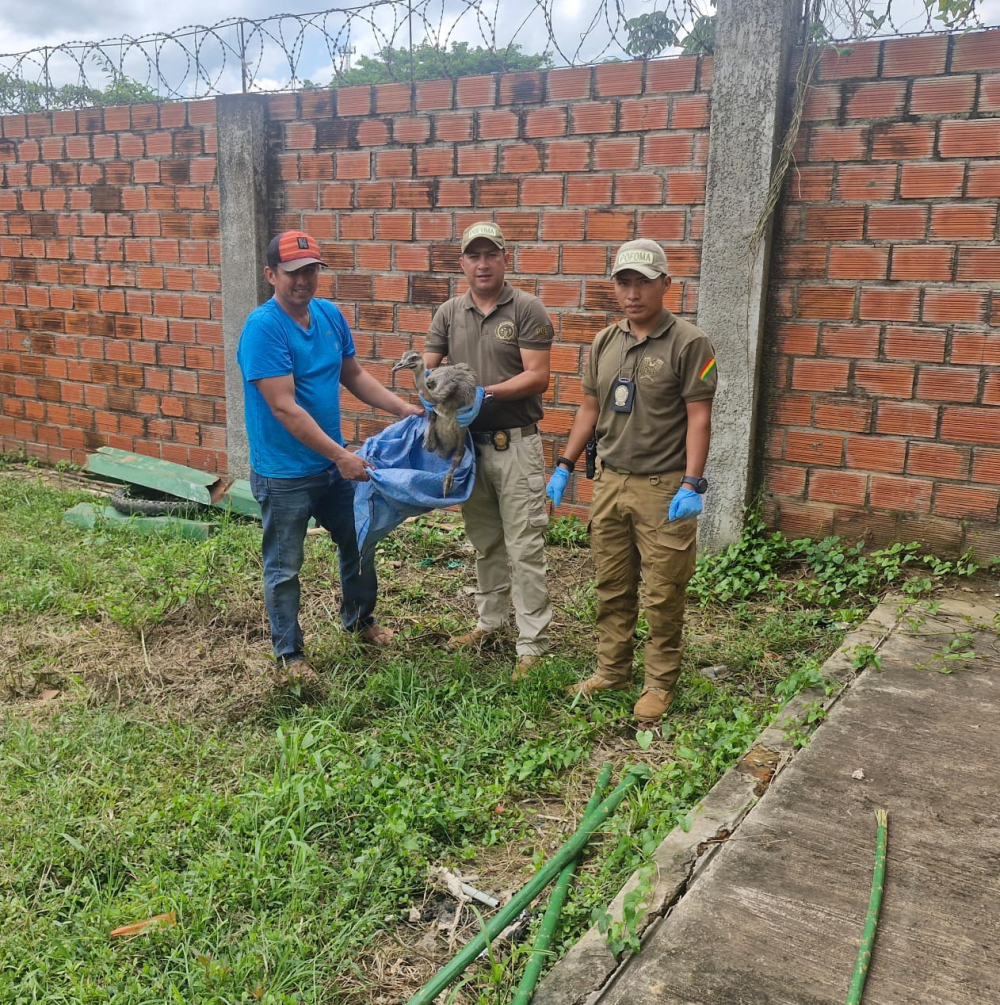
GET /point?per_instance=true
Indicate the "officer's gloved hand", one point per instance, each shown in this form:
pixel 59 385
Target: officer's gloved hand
pixel 557 485
pixel 466 416
pixel 686 503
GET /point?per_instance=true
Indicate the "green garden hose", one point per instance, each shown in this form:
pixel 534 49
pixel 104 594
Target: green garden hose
pixel 874 905
pixel 551 918
pixel 567 853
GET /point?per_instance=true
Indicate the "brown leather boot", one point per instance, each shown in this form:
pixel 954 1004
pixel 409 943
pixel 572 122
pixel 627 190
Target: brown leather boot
pixel 597 683
pixel 474 638
pixel 299 674
pixel 652 704
pixel 524 664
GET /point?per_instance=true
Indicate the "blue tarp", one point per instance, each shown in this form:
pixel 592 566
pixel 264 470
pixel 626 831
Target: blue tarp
pixel 407 479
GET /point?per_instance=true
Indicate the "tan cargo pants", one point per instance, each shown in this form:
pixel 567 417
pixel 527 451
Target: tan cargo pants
pixel 505 518
pixel 631 535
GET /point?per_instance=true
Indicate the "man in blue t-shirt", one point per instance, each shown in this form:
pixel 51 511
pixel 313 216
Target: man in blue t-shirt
pixel 295 352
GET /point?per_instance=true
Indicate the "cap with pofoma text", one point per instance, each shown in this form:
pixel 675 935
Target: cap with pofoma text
pixel 490 231
pixel 643 256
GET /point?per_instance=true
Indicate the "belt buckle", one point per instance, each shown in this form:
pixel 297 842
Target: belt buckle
pixel 500 439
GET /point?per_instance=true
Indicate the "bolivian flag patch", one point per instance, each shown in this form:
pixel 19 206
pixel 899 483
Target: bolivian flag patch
pixel 707 369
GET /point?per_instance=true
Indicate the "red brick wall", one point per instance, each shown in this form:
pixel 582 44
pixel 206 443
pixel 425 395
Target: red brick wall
pixel 569 162
pixel 880 379
pixel 110 317
pixel 879 412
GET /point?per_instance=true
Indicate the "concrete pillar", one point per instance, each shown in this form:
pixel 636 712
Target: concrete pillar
pixel 753 41
pixel 243 203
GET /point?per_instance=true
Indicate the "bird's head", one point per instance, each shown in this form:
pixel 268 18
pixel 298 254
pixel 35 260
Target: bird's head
pixel 410 360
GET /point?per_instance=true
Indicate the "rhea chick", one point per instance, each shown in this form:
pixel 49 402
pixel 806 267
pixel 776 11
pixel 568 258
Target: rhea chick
pixel 448 389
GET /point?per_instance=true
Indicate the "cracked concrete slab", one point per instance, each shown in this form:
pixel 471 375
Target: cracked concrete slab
pixel 776 916
pixel 738 912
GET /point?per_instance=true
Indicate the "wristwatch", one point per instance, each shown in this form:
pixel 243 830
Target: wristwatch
pixel 487 397
pixel 700 485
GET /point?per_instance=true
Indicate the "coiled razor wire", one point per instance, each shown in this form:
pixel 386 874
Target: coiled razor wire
pixel 284 51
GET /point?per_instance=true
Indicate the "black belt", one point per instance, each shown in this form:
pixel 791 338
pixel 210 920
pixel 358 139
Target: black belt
pixel 501 439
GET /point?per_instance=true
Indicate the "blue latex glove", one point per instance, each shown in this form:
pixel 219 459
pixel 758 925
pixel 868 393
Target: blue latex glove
pixel 557 485
pixel 686 503
pixel 466 416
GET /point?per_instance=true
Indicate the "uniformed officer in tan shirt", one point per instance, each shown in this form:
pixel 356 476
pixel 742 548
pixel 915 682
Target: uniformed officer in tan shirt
pixel 648 389
pixel 505 335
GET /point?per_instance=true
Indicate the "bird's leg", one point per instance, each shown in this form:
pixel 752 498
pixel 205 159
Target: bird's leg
pixel 449 478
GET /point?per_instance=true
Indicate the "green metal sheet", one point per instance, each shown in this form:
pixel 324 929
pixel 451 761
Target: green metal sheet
pixel 239 499
pixel 88 515
pixel 153 473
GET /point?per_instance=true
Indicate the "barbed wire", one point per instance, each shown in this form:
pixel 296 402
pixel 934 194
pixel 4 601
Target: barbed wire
pixel 393 40
pixel 288 51
pixel 852 20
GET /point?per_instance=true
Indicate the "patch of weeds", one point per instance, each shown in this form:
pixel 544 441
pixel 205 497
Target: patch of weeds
pixel 864 656
pixel 827 573
pixel 426 537
pixel 16 459
pixel 581 604
pixel 623 934
pixel 567 532
pixel 808 675
pixel 955 654
pixel 796 734
pixel 544 759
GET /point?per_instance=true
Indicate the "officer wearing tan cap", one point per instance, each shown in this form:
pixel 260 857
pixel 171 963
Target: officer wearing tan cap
pixel 505 335
pixel 648 388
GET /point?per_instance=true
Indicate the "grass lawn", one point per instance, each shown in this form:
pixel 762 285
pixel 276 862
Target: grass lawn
pixel 292 842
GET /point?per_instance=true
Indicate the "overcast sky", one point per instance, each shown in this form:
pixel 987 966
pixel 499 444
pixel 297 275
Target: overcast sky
pixel 582 37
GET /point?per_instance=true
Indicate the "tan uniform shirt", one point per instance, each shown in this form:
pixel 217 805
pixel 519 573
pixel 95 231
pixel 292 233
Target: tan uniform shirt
pixel 674 365
pixel 491 344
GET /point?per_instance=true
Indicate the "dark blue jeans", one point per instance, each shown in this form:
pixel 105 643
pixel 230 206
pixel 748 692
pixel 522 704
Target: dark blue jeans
pixel 286 505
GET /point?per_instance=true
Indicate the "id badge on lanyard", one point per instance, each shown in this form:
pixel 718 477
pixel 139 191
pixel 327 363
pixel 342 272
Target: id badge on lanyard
pixel 623 389
pixel 622 394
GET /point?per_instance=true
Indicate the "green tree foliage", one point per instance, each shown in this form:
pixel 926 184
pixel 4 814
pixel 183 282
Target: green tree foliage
pixel 431 62
pixel 649 34
pixel 18 95
pixel 701 38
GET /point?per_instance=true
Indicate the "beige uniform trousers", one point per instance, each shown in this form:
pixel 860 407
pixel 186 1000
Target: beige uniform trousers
pixel 629 535
pixel 506 518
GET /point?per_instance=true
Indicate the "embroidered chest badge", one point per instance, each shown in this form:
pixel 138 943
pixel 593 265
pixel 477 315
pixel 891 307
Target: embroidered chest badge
pixel 506 332
pixel 649 370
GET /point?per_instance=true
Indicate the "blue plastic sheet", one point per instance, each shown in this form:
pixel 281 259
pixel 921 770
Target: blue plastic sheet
pixel 407 480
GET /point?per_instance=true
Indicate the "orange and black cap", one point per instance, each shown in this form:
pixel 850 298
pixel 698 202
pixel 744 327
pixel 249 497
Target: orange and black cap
pixel 292 250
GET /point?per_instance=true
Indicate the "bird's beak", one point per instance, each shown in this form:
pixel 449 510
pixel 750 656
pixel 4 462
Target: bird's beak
pixel 398 366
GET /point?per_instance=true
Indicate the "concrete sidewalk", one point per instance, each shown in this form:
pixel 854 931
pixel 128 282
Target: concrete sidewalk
pixel 773 914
